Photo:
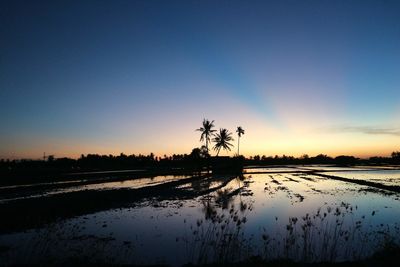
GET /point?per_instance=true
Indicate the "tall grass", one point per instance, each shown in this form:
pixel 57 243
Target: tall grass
pixel 331 234
pixel 218 238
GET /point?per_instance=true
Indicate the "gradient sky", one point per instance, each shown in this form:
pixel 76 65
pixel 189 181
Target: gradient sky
pixel 139 76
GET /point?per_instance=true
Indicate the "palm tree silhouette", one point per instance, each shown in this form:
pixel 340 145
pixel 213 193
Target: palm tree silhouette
pixel 206 131
pixel 240 132
pixel 222 140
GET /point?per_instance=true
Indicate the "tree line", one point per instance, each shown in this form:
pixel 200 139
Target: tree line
pixel 104 162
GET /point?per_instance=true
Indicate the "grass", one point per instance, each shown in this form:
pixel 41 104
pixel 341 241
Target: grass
pixel 330 235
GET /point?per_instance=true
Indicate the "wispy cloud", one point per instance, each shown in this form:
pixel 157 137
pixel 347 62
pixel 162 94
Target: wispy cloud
pixel 366 130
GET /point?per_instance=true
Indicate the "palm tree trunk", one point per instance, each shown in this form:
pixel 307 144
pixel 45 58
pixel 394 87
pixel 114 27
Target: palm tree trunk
pixel 218 151
pixel 207 144
pixel 238 146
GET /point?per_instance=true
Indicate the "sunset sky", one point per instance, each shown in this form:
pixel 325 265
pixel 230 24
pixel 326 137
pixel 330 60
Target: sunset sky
pixel 107 77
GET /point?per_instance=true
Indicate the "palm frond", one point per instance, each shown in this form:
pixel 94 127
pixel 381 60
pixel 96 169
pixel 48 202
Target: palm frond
pixel 240 131
pixel 222 140
pixel 206 131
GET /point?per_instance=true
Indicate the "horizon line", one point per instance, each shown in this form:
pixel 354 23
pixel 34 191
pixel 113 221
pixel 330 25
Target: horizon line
pixel 246 155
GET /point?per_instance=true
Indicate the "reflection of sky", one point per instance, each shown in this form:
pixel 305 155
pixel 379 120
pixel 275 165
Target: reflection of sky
pixel 138 77
pixel 64 188
pixel 153 231
pixel 387 177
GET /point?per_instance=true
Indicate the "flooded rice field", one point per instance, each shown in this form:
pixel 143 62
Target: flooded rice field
pixel 387 177
pixel 283 212
pixel 77 187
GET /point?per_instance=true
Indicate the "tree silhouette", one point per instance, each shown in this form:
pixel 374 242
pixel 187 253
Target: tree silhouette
pixel 240 132
pixel 206 131
pixel 199 153
pixel 396 155
pixel 222 140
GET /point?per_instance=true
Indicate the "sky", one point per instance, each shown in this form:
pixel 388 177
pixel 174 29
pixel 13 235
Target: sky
pixel 301 77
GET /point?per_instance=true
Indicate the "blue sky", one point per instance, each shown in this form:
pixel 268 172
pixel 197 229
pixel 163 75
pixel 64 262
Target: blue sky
pixel 139 76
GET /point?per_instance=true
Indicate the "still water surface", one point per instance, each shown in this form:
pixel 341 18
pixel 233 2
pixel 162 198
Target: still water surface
pixel 267 214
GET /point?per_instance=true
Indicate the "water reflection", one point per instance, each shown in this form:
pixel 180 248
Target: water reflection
pixel 220 218
pixel 387 177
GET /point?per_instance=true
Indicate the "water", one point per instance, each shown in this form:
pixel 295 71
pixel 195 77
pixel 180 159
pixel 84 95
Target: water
pixel 387 177
pixel 66 188
pixel 263 213
pixel 271 170
pixel 333 168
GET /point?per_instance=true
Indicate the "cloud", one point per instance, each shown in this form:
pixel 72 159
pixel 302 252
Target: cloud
pixel 367 130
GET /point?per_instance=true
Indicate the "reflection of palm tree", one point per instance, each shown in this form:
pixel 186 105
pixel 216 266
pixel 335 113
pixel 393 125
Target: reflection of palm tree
pixel 239 178
pixel 222 140
pixel 239 131
pixel 224 197
pixel 206 131
pixel 209 209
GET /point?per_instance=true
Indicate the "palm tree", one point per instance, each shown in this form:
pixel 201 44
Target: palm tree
pixel 239 131
pixel 222 140
pixel 206 131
